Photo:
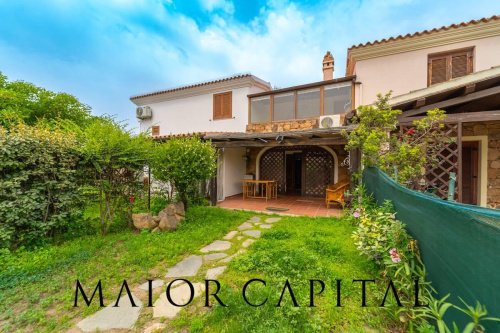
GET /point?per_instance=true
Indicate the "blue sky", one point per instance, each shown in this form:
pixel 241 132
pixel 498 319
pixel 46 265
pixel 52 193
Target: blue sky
pixel 104 51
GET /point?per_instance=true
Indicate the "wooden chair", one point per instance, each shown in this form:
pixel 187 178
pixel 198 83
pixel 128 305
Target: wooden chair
pixel 335 193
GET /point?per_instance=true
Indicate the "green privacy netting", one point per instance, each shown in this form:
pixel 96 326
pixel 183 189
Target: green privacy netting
pixel 460 244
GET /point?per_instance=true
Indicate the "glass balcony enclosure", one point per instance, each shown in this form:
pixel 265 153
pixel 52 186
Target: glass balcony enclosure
pixel 302 102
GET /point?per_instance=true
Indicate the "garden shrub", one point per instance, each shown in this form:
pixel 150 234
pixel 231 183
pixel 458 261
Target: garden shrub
pixel 38 184
pixel 403 156
pixel 384 239
pixel 186 163
pixel 114 160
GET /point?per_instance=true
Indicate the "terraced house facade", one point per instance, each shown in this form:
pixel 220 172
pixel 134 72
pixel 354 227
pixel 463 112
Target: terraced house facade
pixel 293 135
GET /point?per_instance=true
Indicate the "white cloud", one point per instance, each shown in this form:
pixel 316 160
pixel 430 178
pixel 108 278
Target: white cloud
pixel 211 5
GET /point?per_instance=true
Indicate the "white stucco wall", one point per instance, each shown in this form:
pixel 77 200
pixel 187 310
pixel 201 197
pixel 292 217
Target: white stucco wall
pixel 234 170
pixel 194 113
pixel 405 72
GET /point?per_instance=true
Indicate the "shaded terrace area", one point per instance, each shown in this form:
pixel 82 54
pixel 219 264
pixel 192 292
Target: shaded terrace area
pixel 294 205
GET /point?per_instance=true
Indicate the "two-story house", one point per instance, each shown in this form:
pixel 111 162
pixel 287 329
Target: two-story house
pixel 293 135
pixel 261 133
pixel 455 68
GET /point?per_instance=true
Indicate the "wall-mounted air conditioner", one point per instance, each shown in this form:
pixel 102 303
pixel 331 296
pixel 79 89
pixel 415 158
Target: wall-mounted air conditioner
pixel 143 112
pixel 329 121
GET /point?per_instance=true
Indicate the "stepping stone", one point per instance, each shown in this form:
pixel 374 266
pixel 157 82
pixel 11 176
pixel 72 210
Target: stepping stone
pixel 245 226
pixel 180 295
pixel 266 226
pixel 123 316
pixel 273 219
pixel 252 233
pixel 214 256
pixel 187 267
pixel 239 238
pixel 231 257
pixel 154 327
pixel 176 283
pixel 230 235
pixel 248 242
pixel 218 245
pixel 254 219
pixel 156 283
pixel 213 273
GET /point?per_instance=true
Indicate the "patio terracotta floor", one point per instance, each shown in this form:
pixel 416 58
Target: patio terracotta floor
pixel 296 205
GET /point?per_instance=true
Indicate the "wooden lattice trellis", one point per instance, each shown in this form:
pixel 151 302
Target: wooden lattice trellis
pixel 317 168
pixel 318 171
pixel 445 161
pixel 272 167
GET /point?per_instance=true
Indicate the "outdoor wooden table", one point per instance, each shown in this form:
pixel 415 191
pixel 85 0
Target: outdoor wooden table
pixel 261 189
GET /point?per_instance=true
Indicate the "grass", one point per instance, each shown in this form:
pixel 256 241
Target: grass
pixel 37 287
pixel 295 249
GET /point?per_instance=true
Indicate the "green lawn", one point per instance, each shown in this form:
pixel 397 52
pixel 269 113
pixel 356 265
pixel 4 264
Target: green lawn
pixel 37 287
pixel 297 249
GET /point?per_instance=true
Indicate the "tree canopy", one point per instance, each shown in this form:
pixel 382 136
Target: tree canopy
pixel 22 101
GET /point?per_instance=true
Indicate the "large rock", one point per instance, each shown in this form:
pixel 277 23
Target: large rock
pixel 169 222
pixel 179 208
pixel 144 221
pixel 171 216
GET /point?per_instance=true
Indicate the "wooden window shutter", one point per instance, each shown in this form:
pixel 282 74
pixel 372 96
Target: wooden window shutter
pixel 223 106
pixel 459 65
pixel 437 70
pixel 444 67
pixel 217 106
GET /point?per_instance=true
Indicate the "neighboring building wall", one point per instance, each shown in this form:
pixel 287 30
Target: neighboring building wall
pixel 195 113
pixel 407 71
pixel 234 171
pixel 492 130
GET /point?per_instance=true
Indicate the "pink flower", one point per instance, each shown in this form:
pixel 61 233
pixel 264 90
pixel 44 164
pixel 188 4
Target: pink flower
pixel 394 256
pixel 357 213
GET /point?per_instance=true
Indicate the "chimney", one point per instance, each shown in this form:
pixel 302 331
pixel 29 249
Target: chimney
pixel 328 66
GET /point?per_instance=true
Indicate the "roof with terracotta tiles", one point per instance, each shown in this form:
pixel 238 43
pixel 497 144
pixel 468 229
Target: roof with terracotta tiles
pixel 426 32
pixel 200 84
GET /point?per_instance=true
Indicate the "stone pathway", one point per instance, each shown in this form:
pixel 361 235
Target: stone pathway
pixel 210 264
pixel 123 316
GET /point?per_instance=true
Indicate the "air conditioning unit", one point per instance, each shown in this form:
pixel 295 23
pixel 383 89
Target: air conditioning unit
pixel 143 112
pixel 329 121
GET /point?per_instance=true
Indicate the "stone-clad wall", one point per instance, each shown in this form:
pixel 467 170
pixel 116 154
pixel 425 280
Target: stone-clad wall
pixel 281 126
pixel 492 130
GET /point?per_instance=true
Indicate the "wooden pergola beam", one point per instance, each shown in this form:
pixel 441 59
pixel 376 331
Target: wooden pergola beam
pixel 453 101
pixel 285 142
pixel 460 117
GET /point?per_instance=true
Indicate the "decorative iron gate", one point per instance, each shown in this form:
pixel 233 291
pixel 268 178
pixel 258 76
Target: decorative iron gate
pixel 317 168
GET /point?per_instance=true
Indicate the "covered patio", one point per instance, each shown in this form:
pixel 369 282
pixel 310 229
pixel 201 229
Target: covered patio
pixel 285 204
pixel 300 165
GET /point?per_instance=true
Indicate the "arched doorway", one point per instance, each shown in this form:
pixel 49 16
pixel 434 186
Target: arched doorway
pixel 299 170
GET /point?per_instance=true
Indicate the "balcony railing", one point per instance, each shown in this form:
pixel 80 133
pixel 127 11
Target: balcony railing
pixel 302 102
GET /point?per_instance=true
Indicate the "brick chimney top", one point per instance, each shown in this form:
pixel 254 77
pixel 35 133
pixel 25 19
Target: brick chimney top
pixel 328 63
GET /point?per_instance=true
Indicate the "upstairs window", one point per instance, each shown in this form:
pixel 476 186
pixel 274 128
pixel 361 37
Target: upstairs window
pixel 446 66
pixel 223 106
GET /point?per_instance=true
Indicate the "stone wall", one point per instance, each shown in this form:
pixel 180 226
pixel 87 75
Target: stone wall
pixel 492 130
pixel 281 126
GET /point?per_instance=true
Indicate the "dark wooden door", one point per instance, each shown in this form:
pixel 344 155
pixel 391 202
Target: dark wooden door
pixel 470 172
pixel 294 173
